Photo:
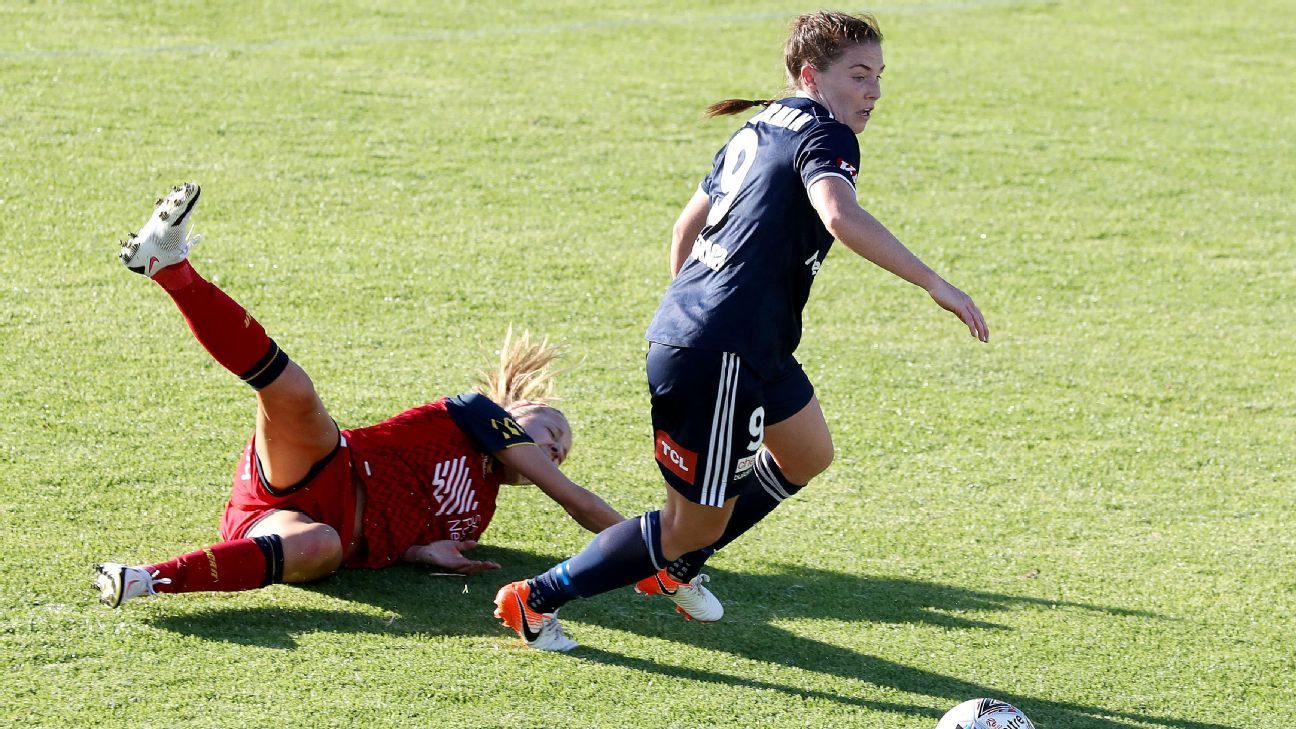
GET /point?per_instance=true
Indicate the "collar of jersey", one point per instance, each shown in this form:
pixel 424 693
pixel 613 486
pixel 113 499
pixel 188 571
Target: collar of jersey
pixel 801 94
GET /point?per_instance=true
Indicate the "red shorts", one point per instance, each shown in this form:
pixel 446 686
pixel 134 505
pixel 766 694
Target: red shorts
pixel 327 495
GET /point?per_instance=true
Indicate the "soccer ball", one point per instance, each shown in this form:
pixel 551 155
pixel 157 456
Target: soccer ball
pixel 984 714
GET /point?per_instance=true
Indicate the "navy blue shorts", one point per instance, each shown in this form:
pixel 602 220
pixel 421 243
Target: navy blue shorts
pixel 709 412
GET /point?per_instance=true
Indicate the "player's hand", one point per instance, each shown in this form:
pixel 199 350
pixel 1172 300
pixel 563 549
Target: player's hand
pixel 961 305
pixel 449 555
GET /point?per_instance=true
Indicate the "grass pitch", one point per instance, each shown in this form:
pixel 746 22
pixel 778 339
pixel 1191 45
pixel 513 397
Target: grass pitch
pixel 1091 517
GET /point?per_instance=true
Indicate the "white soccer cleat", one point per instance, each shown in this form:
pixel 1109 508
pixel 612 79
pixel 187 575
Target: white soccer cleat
pixel 691 598
pixel 551 636
pixel 165 238
pixel 118 583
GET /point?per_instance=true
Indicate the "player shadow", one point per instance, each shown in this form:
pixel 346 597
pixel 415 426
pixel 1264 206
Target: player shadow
pixel 753 604
pixel 402 599
pixel 413 600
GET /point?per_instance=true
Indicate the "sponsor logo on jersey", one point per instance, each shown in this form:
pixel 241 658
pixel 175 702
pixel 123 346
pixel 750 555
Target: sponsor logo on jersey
pixel 676 458
pixel 452 487
pixel 463 529
pixel 851 169
pixel 709 254
pixel 814 263
pixel 745 466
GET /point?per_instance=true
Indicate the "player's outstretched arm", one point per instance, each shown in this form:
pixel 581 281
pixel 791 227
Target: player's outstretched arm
pixel 687 228
pixel 448 555
pixel 834 199
pixel 533 466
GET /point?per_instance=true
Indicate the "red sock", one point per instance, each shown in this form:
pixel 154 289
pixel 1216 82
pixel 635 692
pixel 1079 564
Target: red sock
pixel 225 329
pixel 241 564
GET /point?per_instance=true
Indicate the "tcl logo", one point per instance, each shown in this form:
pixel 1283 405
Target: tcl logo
pixel 676 458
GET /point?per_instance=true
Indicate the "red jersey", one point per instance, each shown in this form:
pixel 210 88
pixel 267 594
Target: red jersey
pixel 428 474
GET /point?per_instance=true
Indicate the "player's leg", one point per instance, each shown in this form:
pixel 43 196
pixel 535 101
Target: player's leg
pixel 307 551
pixel 294 430
pixel 801 446
pixel 797 447
pixel 697 397
pixel 686 526
pixel 796 450
pixel 286 546
pixel 311 550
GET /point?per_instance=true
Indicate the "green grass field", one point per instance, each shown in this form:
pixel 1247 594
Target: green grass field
pixel 1092 517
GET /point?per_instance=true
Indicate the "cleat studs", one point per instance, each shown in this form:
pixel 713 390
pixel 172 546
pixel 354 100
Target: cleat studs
pixel 163 215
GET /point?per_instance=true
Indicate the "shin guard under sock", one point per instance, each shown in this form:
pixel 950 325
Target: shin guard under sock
pixel 240 564
pixel 620 555
pixel 225 329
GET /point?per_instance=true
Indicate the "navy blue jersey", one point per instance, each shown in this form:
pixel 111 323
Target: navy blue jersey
pixel 743 287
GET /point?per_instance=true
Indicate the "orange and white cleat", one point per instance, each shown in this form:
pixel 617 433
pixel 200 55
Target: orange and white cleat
pixel 540 631
pixel 691 598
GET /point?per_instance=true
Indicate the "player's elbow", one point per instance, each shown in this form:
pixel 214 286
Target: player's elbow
pixel 836 220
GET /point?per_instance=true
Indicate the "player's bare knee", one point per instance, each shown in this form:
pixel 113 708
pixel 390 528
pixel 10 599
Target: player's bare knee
pixel 312 553
pixel 292 391
pixel 820 461
pixel 808 464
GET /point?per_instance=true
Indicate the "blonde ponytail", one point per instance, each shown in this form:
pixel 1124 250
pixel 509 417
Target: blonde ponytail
pixel 523 376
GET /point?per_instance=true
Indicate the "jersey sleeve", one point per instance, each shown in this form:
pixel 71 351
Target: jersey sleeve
pixel 708 182
pixel 828 149
pixel 488 425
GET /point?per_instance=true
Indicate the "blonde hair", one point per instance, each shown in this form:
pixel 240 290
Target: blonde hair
pixel 523 379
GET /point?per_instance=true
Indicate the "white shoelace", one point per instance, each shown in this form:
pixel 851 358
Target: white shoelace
pixel 153 580
pixel 697 582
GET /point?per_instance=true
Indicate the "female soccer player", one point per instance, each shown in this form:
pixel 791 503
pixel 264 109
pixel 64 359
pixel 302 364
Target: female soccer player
pixel 729 400
pixel 308 497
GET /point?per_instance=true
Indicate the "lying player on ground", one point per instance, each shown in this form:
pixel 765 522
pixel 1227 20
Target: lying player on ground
pixel 308 497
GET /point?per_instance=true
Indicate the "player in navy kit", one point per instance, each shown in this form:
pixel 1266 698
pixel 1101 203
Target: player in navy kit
pixel 309 497
pixel 737 427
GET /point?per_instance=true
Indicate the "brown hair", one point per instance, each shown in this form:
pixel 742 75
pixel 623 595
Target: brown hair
pixel 817 40
pixel 523 376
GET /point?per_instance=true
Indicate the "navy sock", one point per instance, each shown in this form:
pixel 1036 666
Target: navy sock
pixel 620 555
pixel 754 504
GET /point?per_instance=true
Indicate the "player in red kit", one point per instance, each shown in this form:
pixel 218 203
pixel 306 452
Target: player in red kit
pixel 310 497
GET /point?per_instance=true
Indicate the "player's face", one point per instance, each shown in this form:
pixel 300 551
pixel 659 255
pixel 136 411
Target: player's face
pixel 851 86
pixel 550 430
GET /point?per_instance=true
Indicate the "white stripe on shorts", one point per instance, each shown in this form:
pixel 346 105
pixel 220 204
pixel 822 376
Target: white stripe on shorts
pixel 718 449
